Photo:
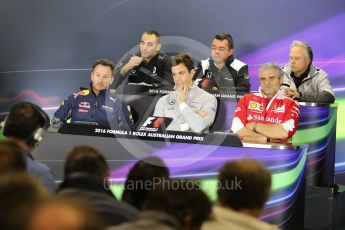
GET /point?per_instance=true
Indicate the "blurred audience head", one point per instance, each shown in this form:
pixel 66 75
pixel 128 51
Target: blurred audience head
pixel 19 195
pixel 64 214
pixel 87 160
pixel 244 186
pixel 181 199
pixel 141 180
pixel 11 157
pixel 26 122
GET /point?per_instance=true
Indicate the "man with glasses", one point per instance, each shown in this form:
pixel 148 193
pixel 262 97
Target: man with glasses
pixel 96 104
pixel 226 72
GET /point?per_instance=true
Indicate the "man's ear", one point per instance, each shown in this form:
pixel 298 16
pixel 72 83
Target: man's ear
pixel 159 46
pixel 192 71
pixel 231 52
pixel 112 79
pixel 281 80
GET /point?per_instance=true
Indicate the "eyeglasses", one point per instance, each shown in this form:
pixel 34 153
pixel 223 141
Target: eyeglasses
pixel 220 49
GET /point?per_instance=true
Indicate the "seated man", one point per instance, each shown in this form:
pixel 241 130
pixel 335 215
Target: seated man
pixel 86 172
pixel 240 206
pixel 11 157
pixel 96 104
pixel 25 124
pixel 20 194
pixel 191 108
pixel 267 114
pixel 303 81
pixel 173 204
pixel 150 66
pixel 226 71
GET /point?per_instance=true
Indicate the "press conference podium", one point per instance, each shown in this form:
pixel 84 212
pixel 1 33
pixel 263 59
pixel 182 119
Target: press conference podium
pixel 308 161
pixel 189 156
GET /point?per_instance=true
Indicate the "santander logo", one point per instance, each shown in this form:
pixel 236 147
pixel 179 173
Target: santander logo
pixel 267 119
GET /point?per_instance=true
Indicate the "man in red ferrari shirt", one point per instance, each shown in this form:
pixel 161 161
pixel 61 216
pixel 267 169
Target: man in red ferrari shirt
pixel 268 114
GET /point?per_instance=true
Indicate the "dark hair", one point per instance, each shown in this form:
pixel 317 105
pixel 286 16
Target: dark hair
pixel 24 120
pixel 85 159
pixel 183 58
pixel 180 198
pixel 153 32
pixel 149 170
pixel 104 62
pixel 254 185
pixel 225 36
pixel 19 195
pixel 11 157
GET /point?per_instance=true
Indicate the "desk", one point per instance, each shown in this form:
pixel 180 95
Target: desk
pixel 200 161
pixel 317 128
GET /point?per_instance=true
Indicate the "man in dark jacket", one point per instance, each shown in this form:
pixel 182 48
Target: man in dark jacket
pixel 175 204
pixel 150 66
pixel 86 171
pixel 96 104
pixel 226 72
pixel 25 124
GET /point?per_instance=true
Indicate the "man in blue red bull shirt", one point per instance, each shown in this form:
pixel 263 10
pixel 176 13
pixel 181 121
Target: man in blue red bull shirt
pixel 96 104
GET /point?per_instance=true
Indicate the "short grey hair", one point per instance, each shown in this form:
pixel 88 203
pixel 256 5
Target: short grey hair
pixel 307 48
pixel 271 65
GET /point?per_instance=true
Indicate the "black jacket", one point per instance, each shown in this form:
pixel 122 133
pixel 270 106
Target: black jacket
pixel 233 75
pixel 156 71
pixel 101 200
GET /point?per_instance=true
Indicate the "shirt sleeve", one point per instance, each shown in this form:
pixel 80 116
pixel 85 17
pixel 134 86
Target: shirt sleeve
pixel 198 123
pixel 324 93
pixel 240 115
pixel 242 82
pixel 159 108
pixel 118 79
pixel 166 70
pixel 287 81
pixel 291 118
pixel 64 112
pixel 125 116
pixel 198 72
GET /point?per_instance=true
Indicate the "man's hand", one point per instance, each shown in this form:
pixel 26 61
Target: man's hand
pixel 182 94
pixel 250 125
pixel 202 113
pixel 293 94
pixel 133 62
